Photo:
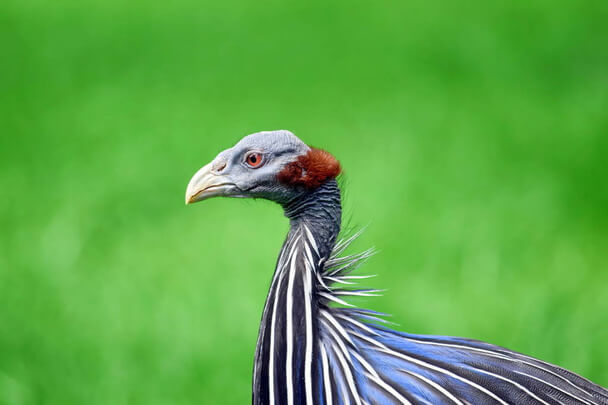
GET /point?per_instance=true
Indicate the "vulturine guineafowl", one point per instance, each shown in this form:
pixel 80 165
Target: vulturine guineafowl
pixel 313 347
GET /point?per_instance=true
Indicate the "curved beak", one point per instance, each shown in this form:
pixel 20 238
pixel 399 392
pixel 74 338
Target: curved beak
pixel 206 184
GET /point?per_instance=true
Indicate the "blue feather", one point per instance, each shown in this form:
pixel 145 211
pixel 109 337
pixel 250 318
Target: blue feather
pixel 391 367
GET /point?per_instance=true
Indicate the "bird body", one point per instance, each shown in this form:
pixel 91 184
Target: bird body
pixel 314 347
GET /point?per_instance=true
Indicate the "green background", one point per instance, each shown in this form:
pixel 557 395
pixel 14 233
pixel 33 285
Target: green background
pixel 473 137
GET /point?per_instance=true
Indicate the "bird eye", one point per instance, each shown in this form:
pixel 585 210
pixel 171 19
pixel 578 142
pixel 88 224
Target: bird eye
pixel 254 159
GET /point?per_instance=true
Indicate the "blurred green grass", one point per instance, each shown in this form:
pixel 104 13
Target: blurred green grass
pixel 474 139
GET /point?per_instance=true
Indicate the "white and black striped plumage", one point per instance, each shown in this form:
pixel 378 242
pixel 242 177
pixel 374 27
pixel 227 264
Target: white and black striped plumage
pixel 314 348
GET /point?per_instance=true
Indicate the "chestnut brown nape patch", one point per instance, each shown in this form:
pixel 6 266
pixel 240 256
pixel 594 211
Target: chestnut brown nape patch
pixel 310 170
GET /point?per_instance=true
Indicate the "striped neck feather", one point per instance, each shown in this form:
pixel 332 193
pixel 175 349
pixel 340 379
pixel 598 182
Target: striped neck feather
pixel 315 348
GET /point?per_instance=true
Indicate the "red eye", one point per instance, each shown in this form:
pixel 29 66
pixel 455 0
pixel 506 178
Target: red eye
pixel 254 159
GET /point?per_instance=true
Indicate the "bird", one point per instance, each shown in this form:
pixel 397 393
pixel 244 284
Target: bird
pixel 314 346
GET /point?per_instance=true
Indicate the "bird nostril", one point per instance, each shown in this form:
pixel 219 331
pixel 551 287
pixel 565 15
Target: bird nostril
pixel 220 166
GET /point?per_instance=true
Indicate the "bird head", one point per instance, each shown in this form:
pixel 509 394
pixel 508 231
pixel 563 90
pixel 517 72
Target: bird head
pixel 275 165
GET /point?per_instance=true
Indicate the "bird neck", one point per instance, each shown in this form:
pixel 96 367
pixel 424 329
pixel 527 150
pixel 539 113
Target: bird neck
pixel 321 211
pixel 287 341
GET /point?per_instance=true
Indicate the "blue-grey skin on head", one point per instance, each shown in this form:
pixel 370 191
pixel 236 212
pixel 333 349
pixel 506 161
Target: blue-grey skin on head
pixel 234 173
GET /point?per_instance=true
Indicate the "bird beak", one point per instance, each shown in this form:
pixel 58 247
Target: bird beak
pixel 206 184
